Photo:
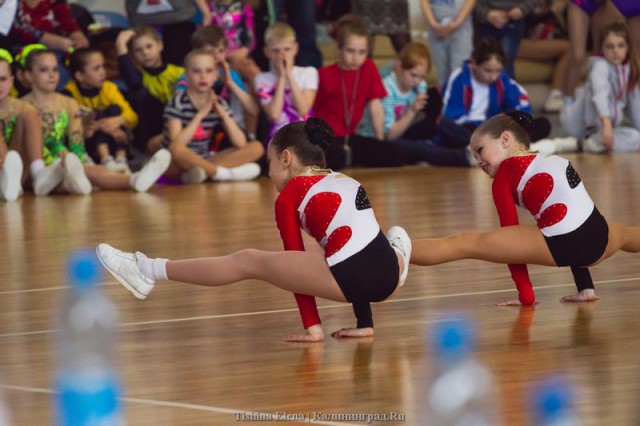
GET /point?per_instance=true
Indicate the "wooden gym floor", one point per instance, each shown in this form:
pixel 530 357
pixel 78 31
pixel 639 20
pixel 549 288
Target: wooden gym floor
pixel 198 356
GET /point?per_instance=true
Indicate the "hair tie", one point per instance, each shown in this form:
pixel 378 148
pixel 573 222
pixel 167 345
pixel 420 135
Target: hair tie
pixel 523 119
pixel 24 51
pixel 4 54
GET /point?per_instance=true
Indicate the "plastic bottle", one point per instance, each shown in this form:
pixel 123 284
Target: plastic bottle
pixel 5 418
pixel 87 385
pixel 552 403
pixel 462 394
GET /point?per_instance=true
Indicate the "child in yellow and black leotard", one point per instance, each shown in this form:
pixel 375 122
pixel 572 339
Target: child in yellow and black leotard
pixel 108 119
pixel 150 82
pixel 63 135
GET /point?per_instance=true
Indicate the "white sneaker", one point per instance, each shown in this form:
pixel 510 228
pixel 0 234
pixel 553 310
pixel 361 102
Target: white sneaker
pixel 554 101
pixel 110 164
pixel 593 144
pixel 247 171
pixel 75 180
pixel 193 176
pixel 543 146
pixel 151 172
pixel 115 166
pixel 568 144
pixel 11 176
pixel 124 268
pixel 401 243
pixel 123 165
pixel 48 178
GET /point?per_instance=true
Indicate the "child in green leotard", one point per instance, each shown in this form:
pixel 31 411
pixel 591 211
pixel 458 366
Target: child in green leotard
pixel 62 134
pixel 20 141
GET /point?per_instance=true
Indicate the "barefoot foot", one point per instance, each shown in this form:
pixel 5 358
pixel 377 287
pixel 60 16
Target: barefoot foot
pixel 313 334
pixel 512 302
pixel 353 332
pixel 587 295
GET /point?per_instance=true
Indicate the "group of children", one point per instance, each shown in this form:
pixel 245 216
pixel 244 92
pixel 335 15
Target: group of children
pixel 200 121
pixel 45 129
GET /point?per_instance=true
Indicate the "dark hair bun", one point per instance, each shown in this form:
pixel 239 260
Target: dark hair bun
pixel 522 118
pixel 319 132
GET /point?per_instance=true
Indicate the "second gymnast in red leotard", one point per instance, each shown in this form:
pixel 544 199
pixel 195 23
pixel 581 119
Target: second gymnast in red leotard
pixel 569 230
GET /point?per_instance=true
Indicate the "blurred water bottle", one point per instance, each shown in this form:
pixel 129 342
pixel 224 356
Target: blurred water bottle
pixel 462 393
pixel 5 419
pixel 87 385
pixel 553 403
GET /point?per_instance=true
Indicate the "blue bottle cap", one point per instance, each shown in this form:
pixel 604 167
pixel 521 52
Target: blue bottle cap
pixel 83 269
pixel 453 337
pixel 552 400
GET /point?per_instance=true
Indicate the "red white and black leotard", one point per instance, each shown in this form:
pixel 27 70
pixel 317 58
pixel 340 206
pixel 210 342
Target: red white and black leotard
pixel 334 209
pixel 551 190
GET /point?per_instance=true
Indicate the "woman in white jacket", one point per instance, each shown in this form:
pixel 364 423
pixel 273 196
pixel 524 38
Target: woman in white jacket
pixel 606 114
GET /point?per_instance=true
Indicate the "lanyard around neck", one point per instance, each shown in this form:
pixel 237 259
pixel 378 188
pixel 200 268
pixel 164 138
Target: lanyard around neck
pixel 349 105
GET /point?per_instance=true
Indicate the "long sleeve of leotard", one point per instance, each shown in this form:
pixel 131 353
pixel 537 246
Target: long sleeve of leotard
pixel 364 316
pixel 289 227
pixel 506 208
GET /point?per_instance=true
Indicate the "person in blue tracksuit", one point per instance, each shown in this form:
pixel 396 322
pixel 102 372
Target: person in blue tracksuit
pixel 479 90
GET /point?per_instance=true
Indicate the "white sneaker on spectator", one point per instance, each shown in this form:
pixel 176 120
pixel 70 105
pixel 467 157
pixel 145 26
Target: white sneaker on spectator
pixel 554 101
pixel 594 144
pixel 568 144
pixel 543 146
pixel 124 268
pixel 194 175
pixel 116 166
pixel 11 176
pixel 246 171
pixel 401 243
pixel 110 164
pixel 75 179
pixel 48 178
pixel 124 166
pixel 151 172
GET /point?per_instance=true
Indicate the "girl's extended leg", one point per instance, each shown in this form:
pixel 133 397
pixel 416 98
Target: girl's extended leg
pixel 295 271
pixel 101 177
pixel 621 237
pixel 512 245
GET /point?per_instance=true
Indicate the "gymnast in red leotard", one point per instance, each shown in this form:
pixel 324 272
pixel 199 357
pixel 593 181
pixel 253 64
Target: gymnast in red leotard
pixel 569 230
pixel 352 261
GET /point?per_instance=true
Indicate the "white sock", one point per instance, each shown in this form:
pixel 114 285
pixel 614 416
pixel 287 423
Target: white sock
pixel 35 167
pixel 222 173
pixel 133 178
pixel 155 269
